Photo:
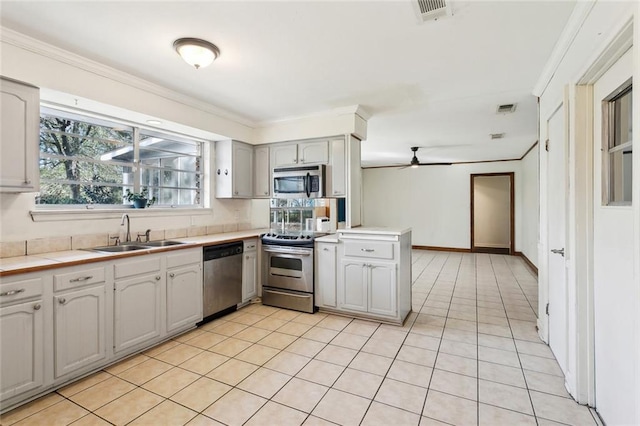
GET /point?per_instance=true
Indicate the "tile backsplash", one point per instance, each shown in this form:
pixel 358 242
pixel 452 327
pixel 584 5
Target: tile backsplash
pixel 76 242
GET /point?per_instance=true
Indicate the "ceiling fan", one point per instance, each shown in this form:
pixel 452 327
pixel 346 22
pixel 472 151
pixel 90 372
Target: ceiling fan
pixel 416 163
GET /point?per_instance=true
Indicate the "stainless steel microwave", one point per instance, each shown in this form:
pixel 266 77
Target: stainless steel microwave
pixel 299 182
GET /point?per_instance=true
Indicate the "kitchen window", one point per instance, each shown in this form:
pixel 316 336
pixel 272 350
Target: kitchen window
pixel 617 149
pixel 91 161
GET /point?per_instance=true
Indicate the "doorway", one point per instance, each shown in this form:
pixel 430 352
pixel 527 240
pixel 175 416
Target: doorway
pixel 493 213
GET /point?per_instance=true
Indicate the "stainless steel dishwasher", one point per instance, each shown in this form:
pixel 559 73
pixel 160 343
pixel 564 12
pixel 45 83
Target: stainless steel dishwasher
pixel 222 279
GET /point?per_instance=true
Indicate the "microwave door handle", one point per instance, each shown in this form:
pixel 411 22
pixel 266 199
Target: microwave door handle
pixel 307 185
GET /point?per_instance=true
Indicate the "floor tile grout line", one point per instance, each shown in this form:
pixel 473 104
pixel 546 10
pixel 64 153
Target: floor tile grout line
pixel 517 354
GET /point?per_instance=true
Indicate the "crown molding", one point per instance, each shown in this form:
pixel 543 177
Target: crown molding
pixel 41 48
pixel 580 12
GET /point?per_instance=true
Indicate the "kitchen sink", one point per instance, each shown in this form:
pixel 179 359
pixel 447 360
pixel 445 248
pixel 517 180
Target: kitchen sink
pixel 119 249
pixel 161 243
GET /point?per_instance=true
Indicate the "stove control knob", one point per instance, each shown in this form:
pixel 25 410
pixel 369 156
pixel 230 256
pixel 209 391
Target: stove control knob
pixel 308 237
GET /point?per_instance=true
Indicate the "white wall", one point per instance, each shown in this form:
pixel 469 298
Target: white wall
pixel 594 27
pixel 530 205
pixel 492 211
pixel 435 202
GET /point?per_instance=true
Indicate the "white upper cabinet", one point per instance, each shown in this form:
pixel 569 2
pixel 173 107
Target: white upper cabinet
pixel 19 137
pixel 338 169
pixel 301 153
pixel 234 169
pixel 262 172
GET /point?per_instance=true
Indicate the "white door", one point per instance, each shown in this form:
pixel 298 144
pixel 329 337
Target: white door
pixel 79 329
pixel 556 202
pixel 313 152
pixel 262 173
pixel 242 170
pixel 184 296
pixel 22 351
pixel 249 276
pixel 284 155
pixel 614 293
pixel 325 285
pixel 137 310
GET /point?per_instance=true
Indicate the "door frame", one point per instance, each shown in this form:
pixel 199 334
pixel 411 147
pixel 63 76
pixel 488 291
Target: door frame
pixel 512 208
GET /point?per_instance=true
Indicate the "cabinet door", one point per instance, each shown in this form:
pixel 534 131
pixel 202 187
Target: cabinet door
pixel 338 186
pixel 19 135
pixel 353 286
pixel 79 338
pixel 382 289
pixel 284 155
pixel 262 173
pixel 184 296
pixel 326 275
pixel 249 276
pixel 313 152
pixel 137 310
pixel 242 170
pixel 22 349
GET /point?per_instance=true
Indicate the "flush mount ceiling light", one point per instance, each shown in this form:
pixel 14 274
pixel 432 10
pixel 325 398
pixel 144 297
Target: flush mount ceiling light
pixel 197 53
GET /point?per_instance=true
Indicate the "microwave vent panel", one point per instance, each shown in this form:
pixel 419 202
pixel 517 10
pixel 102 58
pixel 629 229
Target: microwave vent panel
pixel 432 9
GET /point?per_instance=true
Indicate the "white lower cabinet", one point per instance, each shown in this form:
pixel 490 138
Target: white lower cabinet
pixel 22 349
pixel 365 273
pixel 250 270
pixel 184 289
pixel 137 310
pixel 80 329
pixel 325 275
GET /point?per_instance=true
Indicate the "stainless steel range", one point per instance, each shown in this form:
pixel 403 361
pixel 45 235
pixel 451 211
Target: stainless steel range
pixel 287 271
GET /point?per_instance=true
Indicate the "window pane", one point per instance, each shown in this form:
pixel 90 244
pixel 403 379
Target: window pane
pixel 620 176
pixel 622 130
pixel 76 155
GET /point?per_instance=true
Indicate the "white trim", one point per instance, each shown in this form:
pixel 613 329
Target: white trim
pixel 351 109
pixel 49 51
pixel 57 215
pixel 580 13
pixel 615 47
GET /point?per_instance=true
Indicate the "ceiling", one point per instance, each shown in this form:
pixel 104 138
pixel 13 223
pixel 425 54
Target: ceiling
pixel 432 84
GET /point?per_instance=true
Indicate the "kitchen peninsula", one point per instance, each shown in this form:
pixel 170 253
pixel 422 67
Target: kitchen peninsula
pixel 365 272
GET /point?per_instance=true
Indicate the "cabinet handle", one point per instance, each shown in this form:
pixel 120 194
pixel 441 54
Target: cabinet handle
pixel 367 250
pixel 157 277
pixel 218 172
pixel 294 161
pixel 247 257
pixel 266 192
pixel 62 301
pixel 75 280
pixel 302 160
pixel 226 172
pixel 235 193
pixel 12 292
pixel 325 249
pixel 172 275
pixel 37 307
pixel 27 182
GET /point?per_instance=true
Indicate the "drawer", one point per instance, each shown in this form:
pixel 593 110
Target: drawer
pixel 369 249
pixel 184 257
pixel 78 279
pixel 141 265
pixel 250 245
pixel 20 290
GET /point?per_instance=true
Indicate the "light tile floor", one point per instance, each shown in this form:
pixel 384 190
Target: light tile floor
pixel 469 354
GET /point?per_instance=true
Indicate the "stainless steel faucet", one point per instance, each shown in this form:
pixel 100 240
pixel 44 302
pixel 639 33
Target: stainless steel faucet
pixel 127 237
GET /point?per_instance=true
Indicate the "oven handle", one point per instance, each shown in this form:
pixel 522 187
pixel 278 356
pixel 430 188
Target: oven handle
pixel 288 251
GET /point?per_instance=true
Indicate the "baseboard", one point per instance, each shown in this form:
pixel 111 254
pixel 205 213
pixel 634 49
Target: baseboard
pixel 454 249
pixel 527 261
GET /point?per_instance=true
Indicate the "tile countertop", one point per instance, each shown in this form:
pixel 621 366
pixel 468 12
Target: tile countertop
pixel 60 259
pixel 379 230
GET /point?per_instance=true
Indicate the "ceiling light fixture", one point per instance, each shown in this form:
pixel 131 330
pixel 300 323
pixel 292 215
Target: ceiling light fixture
pixel 197 53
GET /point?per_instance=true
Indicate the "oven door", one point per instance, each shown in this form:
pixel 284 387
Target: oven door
pixel 288 268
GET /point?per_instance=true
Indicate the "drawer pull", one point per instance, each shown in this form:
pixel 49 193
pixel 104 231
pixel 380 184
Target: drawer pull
pixel 12 292
pixel 62 301
pixel 172 275
pixel 80 279
pixel 158 277
pixel 37 307
pixel 367 250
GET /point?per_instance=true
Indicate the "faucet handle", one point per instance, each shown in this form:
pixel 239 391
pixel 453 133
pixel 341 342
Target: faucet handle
pixel 146 234
pixel 117 240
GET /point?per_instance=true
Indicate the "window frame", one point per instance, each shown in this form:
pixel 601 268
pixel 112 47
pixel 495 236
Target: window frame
pixel 608 139
pixel 137 129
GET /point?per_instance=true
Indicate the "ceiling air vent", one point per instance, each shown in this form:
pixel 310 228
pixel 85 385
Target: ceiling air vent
pixel 497 135
pixel 506 108
pixel 432 9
